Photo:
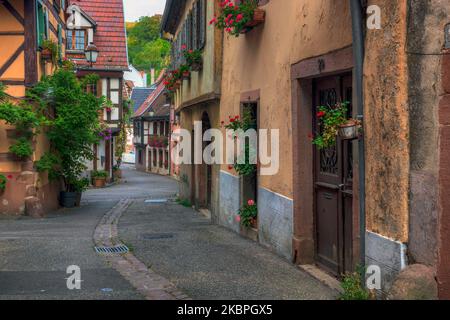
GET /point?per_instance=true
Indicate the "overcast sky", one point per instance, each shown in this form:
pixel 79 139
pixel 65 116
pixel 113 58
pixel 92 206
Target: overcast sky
pixel 134 9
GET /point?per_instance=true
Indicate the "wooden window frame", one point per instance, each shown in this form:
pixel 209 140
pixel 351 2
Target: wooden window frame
pixel 73 38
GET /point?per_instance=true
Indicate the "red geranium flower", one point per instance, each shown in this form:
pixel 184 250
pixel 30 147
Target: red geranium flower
pixel 230 167
pixel 320 114
pixel 9 177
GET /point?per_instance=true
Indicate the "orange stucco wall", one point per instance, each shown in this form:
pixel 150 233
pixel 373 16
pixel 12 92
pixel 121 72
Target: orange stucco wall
pixel 262 59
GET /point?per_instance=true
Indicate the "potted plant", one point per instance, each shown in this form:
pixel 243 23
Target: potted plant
pixel 49 51
pixel 3 181
pixel 249 214
pixel 71 137
pixel 117 172
pixel 99 178
pixel 184 71
pixel 243 164
pixel 70 199
pixel 194 59
pixel 238 19
pixel 334 122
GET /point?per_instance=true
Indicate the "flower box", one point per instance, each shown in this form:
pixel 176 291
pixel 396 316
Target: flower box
pixel 46 54
pixel 197 66
pixel 259 16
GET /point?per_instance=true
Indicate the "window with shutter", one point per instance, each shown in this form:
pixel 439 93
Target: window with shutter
pixel 194 27
pixel 41 23
pixel 202 24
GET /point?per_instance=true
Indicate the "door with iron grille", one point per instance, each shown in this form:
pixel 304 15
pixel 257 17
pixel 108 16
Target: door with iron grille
pixel 333 177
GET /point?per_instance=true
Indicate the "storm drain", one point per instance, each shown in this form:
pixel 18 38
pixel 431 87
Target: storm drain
pixel 157 236
pixel 122 249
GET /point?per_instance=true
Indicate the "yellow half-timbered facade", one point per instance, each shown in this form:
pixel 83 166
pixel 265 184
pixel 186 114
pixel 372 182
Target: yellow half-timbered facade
pixel 24 26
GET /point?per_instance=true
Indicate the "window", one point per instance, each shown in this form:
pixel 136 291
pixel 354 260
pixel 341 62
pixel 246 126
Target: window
pixel 76 40
pixel 41 23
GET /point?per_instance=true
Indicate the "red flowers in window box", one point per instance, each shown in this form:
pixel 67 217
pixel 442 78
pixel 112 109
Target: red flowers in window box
pixel 238 19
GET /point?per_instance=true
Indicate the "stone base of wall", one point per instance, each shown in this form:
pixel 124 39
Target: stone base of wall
pixel 275 222
pixel 388 254
pixel 275 215
pixel 229 201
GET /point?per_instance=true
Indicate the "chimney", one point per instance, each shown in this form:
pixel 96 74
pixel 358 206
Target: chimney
pixel 152 77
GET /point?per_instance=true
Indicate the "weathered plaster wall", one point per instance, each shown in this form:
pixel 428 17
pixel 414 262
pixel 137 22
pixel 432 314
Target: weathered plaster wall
pixel 387 123
pixel 261 59
pixel 425 42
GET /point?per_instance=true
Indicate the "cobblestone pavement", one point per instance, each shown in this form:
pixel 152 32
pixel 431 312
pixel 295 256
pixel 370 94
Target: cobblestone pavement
pixel 175 252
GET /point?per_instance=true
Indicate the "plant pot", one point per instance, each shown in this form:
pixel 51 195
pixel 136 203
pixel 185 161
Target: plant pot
pixel 117 174
pixel 27 165
pixel 78 199
pixel 198 66
pixel 254 223
pixel 186 75
pixel 349 131
pixel 46 54
pixel 259 16
pixel 99 182
pixel 68 199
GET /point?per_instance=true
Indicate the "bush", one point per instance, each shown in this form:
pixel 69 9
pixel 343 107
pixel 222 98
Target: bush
pixel 353 285
pixel 22 148
pixel 100 174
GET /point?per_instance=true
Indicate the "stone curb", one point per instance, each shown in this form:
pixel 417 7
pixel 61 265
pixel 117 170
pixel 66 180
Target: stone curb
pixel 151 285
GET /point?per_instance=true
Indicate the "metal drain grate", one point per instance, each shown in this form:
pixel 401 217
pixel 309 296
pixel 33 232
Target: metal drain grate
pixel 157 236
pixel 112 250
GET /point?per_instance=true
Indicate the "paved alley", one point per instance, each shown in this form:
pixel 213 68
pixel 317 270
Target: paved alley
pixel 202 260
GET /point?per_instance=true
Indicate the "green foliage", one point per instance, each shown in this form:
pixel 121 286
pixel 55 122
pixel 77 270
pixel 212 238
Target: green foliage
pixel 72 130
pixel 145 48
pixel 242 164
pixel 26 120
pixel 22 148
pixel 53 48
pixel 100 174
pixel 233 18
pixel 248 213
pixel 80 185
pixel 193 57
pixel 184 202
pixel 330 118
pixel 353 285
pixel 2 92
pixel 3 181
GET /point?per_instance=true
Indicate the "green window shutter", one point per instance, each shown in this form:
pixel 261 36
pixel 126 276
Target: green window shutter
pixel 40 23
pixel 63 4
pixel 60 41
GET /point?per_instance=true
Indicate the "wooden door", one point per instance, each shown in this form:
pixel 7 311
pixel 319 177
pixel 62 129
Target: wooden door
pixel 333 172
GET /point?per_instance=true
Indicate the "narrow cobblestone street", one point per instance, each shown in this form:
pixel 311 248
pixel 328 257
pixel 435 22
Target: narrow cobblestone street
pixel 179 247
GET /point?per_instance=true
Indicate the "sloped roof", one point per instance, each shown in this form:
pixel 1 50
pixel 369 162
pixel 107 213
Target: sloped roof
pixel 139 95
pixel 148 103
pixel 110 35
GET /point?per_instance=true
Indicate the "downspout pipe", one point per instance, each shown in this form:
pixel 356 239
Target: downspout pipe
pixel 358 58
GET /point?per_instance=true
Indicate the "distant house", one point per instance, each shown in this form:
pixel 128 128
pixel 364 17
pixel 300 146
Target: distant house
pixel 151 123
pixel 101 23
pixel 139 78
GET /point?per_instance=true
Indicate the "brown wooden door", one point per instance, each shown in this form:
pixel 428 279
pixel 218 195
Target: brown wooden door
pixel 333 172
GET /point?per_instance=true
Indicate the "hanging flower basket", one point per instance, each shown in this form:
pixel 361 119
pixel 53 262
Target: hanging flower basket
pixel 259 16
pixel 349 130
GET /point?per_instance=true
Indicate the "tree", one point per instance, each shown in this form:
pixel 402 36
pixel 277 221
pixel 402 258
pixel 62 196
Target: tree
pixel 145 48
pixel 72 129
